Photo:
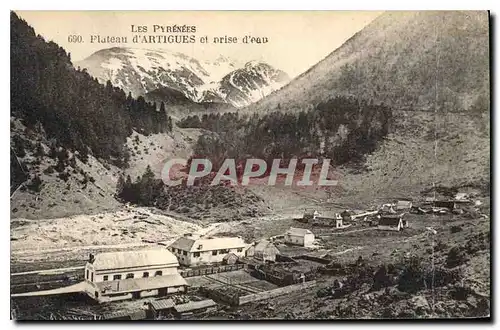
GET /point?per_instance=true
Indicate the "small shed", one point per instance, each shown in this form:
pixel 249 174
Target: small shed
pixel 391 222
pixel 310 215
pixel 403 205
pixel 299 236
pixel 139 314
pixel 161 307
pixel 230 259
pixel 194 307
pixel 263 250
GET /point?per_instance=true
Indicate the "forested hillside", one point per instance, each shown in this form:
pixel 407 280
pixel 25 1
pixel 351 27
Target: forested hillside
pixel 70 105
pixel 342 129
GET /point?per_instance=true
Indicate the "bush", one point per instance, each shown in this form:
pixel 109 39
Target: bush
pixel 381 279
pixel 412 277
pixel 49 170
pixel 477 243
pixel 455 257
pixel 63 176
pixel 35 184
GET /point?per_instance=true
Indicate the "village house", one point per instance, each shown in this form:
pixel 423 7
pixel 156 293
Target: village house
pixel 263 250
pixel 328 220
pixel 299 236
pixel 133 274
pixel 192 250
pixel 387 208
pixel 310 215
pixel 392 222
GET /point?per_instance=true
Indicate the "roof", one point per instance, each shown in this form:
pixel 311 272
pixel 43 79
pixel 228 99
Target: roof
pixel 389 220
pixel 144 283
pixel 230 255
pixel 298 231
pixel 132 259
pixel 404 204
pixel 162 304
pixel 193 305
pixel 264 244
pixel 191 244
pixel 311 212
pixel 136 315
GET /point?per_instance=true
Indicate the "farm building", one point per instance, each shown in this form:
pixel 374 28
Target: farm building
pixel 161 307
pixel 263 250
pixel 194 307
pixel 310 215
pixel 192 250
pixel 391 222
pixel 299 236
pixel 132 274
pixel 329 220
pixel 230 259
pixel 403 205
pixel 387 208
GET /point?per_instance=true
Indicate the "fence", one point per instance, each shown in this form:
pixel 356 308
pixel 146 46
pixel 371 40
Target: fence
pixel 210 270
pixel 274 293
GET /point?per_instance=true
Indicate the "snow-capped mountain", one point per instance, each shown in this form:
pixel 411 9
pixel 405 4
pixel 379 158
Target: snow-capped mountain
pixel 249 84
pixel 140 71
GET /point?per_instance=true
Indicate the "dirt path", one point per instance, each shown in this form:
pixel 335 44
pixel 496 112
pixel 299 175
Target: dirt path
pixel 345 232
pixel 79 287
pixel 48 271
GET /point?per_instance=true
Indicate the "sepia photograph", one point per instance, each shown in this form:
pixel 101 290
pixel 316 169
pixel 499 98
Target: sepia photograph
pixel 250 165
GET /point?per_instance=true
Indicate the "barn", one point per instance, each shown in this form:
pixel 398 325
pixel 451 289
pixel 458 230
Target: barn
pixel 299 236
pixel 392 222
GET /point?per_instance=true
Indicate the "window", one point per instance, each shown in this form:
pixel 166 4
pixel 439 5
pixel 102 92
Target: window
pixel 200 247
pixel 172 249
pixel 117 277
pixel 158 273
pixel 240 250
pixel 130 275
pixel 223 251
pixel 87 277
pixel 184 253
pixel 105 278
pixel 214 253
pixel 92 277
pixel 145 274
pixel 196 254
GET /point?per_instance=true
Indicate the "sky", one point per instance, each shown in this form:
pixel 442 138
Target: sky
pixel 297 40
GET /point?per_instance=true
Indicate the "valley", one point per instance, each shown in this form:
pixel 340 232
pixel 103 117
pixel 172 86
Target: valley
pixel 401 109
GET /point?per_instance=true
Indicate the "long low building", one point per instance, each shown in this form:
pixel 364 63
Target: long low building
pixel 192 250
pixel 133 274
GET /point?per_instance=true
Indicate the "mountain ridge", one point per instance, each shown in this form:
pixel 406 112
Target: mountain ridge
pixel 140 71
pixel 393 60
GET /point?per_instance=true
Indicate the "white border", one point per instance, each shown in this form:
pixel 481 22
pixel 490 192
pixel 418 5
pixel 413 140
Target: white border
pixel 203 5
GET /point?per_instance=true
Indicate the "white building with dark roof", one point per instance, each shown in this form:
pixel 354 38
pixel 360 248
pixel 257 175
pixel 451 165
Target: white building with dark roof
pixel 133 274
pixel 192 250
pixel 299 236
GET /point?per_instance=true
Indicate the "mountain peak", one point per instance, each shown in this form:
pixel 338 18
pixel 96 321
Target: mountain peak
pixel 140 71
